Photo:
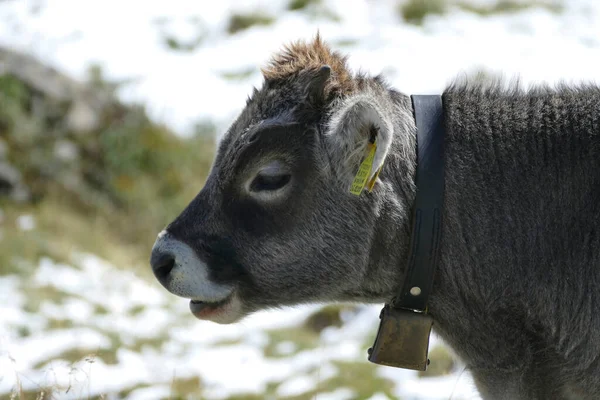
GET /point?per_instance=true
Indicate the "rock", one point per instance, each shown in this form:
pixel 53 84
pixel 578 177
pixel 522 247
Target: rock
pixel 50 126
pixel 65 150
pixel 10 177
pixel 3 150
pixel 35 74
pixel 82 118
pixel 11 183
pixel 87 104
pixel 20 194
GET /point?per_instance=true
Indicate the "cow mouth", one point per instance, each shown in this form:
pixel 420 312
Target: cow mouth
pixel 208 310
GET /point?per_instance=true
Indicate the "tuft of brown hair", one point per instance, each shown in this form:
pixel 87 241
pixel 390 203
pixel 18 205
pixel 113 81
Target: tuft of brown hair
pixel 302 57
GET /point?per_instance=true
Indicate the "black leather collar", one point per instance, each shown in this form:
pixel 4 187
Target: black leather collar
pixel 403 337
pixel 429 202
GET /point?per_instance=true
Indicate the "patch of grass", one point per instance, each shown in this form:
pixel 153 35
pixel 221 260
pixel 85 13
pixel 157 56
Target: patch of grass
pixel 99 309
pixel 76 355
pixel 39 394
pixel 125 394
pixel 155 343
pixel 59 324
pixel 238 75
pixel 227 342
pixel 295 5
pixel 185 44
pixel 23 331
pixel 176 44
pixel 239 22
pixel 35 297
pixel 246 397
pixel 327 13
pixel 345 43
pixel 185 388
pixel 508 7
pixel 330 315
pixel 269 394
pixel 415 11
pixel 138 309
pixel 303 338
pixel 442 362
pixel 360 377
pixel 307 335
pixel 18 249
pixel 58 238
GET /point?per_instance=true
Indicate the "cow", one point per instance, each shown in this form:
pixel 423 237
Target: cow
pixel 516 292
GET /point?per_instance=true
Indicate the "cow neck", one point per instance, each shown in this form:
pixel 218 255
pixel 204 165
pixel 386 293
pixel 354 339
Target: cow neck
pixel 403 337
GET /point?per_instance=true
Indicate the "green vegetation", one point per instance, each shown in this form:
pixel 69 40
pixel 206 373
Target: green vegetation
pixel 345 43
pixel 442 362
pixel 327 316
pixel 176 43
pixel 39 394
pixel 295 5
pixel 307 335
pixel 239 22
pixel 107 191
pixel 269 393
pixel 360 377
pixel 238 75
pixel 302 338
pixel 182 388
pixel 415 11
pixel 508 6
pixel 35 297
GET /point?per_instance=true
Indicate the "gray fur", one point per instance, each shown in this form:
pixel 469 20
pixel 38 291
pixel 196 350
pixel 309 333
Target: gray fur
pixel 517 291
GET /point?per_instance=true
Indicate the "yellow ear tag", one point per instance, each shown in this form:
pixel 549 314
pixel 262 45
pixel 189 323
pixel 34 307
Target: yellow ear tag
pixel 360 180
pixel 371 183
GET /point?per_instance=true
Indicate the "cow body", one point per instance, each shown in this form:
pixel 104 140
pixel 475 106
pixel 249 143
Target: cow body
pixel 516 291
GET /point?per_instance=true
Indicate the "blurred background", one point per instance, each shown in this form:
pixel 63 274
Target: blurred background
pixel 109 115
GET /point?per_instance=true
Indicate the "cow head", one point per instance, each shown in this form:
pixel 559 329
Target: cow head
pixel 275 223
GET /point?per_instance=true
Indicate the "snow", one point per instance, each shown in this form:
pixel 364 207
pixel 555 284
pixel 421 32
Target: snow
pixel 338 394
pixel 296 386
pixel 183 89
pixel 26 222
pixel 285 348
pixel 180 88
pixel 456 386
pixel 187 348
pixel 378 396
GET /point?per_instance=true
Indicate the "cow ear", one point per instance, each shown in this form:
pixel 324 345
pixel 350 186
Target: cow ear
pixel 316 85
pixel 360 120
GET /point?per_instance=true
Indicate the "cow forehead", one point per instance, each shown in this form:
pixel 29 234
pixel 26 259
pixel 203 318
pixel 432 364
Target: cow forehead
pixel 280 135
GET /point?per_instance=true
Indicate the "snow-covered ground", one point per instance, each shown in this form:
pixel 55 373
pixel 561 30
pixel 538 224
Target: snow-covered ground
pixel 182 88
pixel 100 304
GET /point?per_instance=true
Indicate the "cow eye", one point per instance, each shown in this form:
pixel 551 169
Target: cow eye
pixel 271 178
pixel 269 182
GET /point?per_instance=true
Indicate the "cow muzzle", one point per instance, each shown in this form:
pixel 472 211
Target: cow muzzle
pixel 179 269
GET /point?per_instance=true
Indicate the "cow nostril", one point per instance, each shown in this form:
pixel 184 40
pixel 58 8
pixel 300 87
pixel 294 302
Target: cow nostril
pixel 162 266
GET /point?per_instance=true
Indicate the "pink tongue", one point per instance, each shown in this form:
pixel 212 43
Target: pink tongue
pixel 197 307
